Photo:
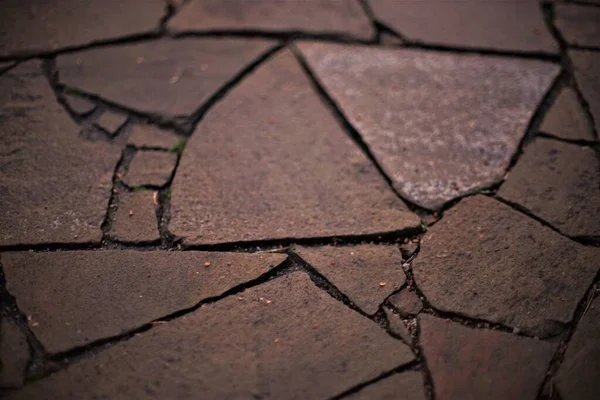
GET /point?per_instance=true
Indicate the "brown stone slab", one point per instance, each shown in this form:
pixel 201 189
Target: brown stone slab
pixel 498 25
pixel 77 297
pixel 149 136
pixel 302 345
pixel 169 77
pixel 397 326
pixel 328 17
pixel 150 168
pixel 270 161
pixel 55 185
pixel 566 118
pixel 559 183
pixel 579 375
pixel 79 105
pixel 587 74
pixel 14 354
pixel 488 261
pixel 578 24
pixel 406 386
pixel 441 125
pixel 135 220
pixel 406 302
pixel 111 122
pixel 367 274
pixel 467 363
pixel 35 26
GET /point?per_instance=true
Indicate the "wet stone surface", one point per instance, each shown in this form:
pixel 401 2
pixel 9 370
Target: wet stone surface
pixel 560 184
pixel 240 347
pixel 111 122
pixel 76 297
pixel 440 125
pixel 485 260
pixel 135 219
pixel 566 118
pixel 578 24
pixel 14 354
pixel 587 75
pixel 408 385
pixel 150 168
pixel 149 136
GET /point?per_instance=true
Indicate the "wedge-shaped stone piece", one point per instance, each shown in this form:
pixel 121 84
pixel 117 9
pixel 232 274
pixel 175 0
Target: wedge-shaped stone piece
pixel 440 125
pixel 270 161
pixel 367 274
pixel 406 386
pixel 486 260
pixel 79 105
pixel 406 302
pixel 566 118
pixel 578 24
pixel 559 183
pixel 468 363
pixel 150 168
pixel 135 220
pixel 332 17
pixel 77 297
pixel 54 185
pixel 111 122
pixel 169 77
pixel 302 345
pixel 586 67
pixel 14 354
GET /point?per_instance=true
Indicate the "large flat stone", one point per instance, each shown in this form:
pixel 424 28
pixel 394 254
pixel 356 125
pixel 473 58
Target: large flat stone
pixel 14 354
pixel 586 67
pixel 169 77
pixel 33 26
pixel 406 386
pixel 578 377
pixel 332 17
pixel 440 125
pixel 302 345
pixel 270 161
pixel 559 183
pixel 55 185
pixel 566 118
pixel 495 25
pixel 77 297
pixel 135 220
pixel 578 24
pixel 367 274
pixel 486 260
pixel 468 363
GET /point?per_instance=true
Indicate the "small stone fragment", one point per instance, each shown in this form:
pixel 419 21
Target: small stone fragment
pixel 578 24
pixel 406 302
pixel 397 326
pixel 111 122
pixel 79 105
pixel 587 74
pixel 406 386
pixel 566 118
pixel 14 354
pixel 408 249
pixel 150 168
pixel 150 136
pixel 468 363
pixel 207 264
pixel 139 226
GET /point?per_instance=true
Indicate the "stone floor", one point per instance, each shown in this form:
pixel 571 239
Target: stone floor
pixel 326 199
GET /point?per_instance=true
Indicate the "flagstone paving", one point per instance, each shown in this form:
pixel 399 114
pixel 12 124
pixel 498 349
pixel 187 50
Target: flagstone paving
pixel 327 199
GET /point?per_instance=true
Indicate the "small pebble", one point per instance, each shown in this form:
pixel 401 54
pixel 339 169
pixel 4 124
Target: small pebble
pixel 381 284
pixel 207 264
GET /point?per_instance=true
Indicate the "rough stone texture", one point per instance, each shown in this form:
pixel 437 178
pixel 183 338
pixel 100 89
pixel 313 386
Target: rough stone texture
pixel 578 24
pixel 468 363
pixel 499 25
pixel 172 77
pixel 270 161
pixel 35 26
pixel 14 354
pixel 486 260
pixel 79 105
pixel 559 183
pixel 359 271
pixel 333 17
pixel 77 297
pixel 587 75
pixel 406 302
pixel 149 136
pixel 111 122
pixel 150 168
pixel 566 118
pixel 239 349
pixel 441 125
pixel 405 386
pixel 579 375
pixel 55 186
pixel 397 325
pixel 135 220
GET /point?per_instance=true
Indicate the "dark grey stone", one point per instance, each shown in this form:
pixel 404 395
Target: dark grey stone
pixel 578 24
pixel 586 67
pixel 135 220
pixel 566 118
pixel 406 386
pixel 79 105
pixel 150 168
pixel 14 354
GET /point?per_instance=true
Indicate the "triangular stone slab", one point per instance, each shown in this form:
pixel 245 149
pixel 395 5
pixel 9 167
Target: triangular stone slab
pixel 566 118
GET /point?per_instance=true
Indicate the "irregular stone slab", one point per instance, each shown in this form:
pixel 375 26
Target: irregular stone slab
pixel 135 219
pixel 408 385
pixel 579 374
pixel 498 25
pixel 397 325
pixel 406 302
pixel 79 105
pixel 367 274
pixel 150 168
pixel 270 161
pixel 488 261
pixel 559 183
pixel 77 297
pixel 169 77
pixel 40 26
pixel 566 119
pixel 468 363
pixel 587 75
pixel 55 185
pixel 440 125
pixel 578 24
pixel 14 354
pixel 239 349
pixel 329 17
pixel 111 122
pixel 149 136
